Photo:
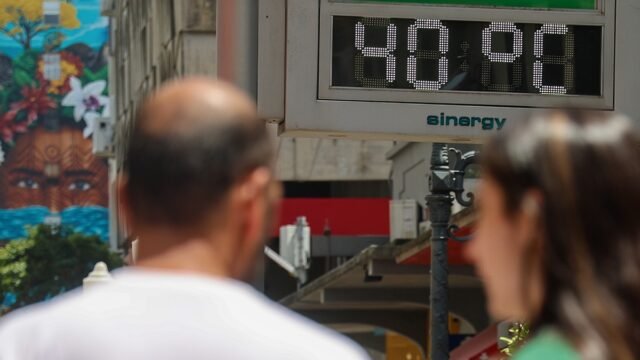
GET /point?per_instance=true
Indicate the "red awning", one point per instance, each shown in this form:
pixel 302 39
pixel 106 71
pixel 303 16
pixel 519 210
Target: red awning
pixel 345 216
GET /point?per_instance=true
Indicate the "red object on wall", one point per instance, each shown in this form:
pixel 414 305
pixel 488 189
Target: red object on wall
pixel 455 252
pixel 483 346
pixel 345 216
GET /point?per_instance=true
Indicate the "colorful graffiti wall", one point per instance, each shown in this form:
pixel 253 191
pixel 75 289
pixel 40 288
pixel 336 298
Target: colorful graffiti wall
pixel 53 87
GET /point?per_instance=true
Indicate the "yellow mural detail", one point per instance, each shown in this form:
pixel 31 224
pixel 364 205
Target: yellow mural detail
pixel 69 66
pixel 22 20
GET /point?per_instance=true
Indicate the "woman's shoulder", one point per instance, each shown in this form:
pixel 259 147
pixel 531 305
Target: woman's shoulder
pixel 548 345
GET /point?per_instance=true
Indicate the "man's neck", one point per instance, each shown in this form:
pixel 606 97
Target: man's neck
pixel 199 255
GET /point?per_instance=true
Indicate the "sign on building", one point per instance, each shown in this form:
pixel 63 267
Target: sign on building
pixel 446 70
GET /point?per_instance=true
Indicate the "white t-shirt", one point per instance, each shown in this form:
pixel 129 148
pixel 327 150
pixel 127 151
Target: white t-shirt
pixel 149 315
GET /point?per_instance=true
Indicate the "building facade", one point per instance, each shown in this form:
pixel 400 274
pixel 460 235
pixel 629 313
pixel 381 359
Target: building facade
pixel 157 40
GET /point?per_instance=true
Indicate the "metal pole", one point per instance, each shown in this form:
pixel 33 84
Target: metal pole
pixel 237 62
pixel 439 202
pixel 237 36
pixel 444 181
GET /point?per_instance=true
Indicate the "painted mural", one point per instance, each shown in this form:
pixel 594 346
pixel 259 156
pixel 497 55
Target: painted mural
pixel 53 87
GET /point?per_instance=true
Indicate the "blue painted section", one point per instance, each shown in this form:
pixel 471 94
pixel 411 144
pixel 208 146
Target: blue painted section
pixel 90 220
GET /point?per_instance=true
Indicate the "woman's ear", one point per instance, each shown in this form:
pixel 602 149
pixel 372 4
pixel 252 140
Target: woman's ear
pixel 531 204
pixel 530 215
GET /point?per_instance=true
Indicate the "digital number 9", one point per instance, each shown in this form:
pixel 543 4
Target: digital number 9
pixel 501 57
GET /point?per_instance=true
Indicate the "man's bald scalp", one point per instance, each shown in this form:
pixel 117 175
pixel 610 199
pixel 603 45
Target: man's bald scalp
pixel 186 105
pixel 192 140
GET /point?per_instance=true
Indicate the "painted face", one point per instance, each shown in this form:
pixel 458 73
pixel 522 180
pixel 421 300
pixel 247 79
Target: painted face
pixel 53 169
pixel 498 250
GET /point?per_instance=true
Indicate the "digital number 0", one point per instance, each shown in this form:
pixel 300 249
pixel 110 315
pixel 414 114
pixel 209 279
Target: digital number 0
pixel 376 52
pixel 440 54
pixel 541 59
pixel 502 57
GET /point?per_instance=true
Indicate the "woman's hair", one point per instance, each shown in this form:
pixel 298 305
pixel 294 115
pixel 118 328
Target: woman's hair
pixel 586 165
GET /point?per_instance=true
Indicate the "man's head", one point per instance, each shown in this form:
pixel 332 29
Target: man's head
pixel 199 168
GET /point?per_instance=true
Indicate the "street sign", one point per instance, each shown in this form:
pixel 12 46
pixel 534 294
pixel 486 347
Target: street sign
pixel 442 70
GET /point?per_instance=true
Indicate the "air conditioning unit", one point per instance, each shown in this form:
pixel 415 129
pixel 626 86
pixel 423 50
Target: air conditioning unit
pixel 103 137
pixel 423 227
pixel 295 244
pixel 404 218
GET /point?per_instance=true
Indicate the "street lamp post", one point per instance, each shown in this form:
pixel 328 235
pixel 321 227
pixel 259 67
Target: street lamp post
pixel 446 182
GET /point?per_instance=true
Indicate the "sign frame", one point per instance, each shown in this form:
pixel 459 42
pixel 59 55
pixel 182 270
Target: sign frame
pixel 290 61
pixel 598 18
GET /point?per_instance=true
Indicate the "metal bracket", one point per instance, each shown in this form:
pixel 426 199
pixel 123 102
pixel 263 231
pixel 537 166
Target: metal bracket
pixel 453 229
pixel 462 162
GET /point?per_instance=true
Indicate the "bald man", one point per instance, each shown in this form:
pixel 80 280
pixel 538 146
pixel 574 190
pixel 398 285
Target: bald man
pixel 198 192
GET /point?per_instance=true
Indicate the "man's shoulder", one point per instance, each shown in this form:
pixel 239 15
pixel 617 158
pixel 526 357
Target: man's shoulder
pixel 301 333
pixel 36 315
pixel 231 313
pixel 26 333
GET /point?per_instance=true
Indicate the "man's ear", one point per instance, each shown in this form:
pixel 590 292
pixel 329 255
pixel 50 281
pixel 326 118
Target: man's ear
pixel 255 183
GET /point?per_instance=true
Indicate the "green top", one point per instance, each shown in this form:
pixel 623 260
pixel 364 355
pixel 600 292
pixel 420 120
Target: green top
pixel 547 345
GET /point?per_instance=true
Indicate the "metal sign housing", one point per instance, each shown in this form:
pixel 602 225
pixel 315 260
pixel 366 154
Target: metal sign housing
pixel 295 73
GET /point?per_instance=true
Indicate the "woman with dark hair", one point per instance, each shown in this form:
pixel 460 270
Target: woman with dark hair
pixel 558 234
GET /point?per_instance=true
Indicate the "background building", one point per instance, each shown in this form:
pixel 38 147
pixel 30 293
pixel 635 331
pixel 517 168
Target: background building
pixel 154 41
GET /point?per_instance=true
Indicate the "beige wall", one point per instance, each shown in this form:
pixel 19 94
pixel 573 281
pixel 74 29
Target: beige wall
pixel 156 40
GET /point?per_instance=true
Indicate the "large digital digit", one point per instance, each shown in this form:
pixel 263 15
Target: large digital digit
pixel 439 54
pixel 506 83
pixel 541 59
pixel 386 52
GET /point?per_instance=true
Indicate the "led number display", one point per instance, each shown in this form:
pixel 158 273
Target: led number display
pixel 439 55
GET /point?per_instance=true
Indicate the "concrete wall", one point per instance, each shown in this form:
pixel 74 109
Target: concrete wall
pixel 153 41
pixel 302 159
pixel 410 170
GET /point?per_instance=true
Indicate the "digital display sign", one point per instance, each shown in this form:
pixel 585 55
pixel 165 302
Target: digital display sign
pixel 434 55
pixel 533 4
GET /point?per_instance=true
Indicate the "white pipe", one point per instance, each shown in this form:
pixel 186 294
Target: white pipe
pixel 280 261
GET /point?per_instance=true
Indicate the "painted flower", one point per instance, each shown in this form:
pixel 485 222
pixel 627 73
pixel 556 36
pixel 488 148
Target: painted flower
pixel 9 127
pixel 91 120
pixel 6 128
pixel 70 65
pixel 34 102
pixel 85 99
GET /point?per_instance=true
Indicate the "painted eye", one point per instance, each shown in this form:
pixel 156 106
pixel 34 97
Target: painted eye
pixel 80 185
pixel 28 184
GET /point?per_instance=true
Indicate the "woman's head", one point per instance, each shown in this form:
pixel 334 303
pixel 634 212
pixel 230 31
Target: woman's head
pixel 558 234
